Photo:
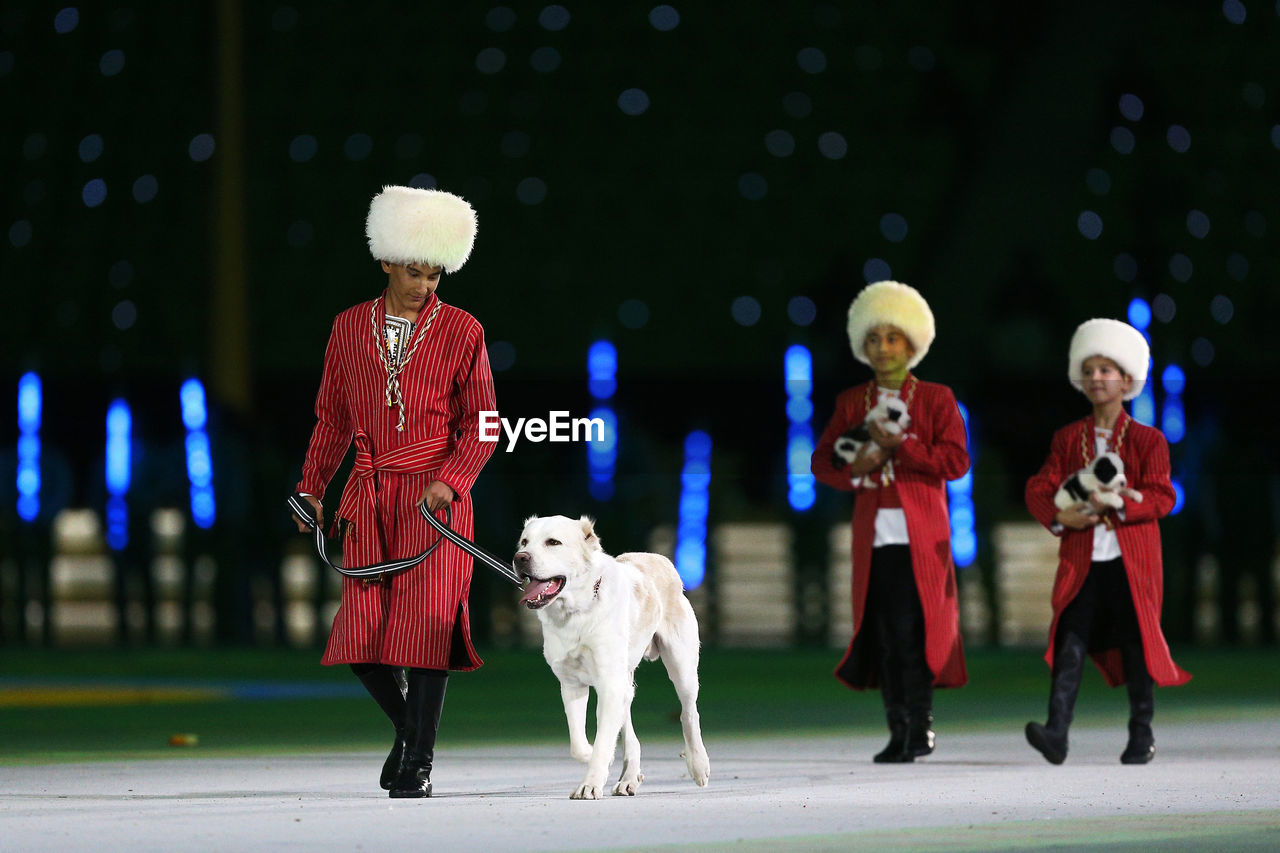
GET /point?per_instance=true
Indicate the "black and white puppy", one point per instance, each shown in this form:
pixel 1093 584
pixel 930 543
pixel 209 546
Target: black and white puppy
pixel 1104 477
pixel 891 415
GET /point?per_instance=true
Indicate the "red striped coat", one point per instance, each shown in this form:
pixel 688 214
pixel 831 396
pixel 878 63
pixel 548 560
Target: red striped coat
pixel 934 452
pixel 1146 463
pixel 418 617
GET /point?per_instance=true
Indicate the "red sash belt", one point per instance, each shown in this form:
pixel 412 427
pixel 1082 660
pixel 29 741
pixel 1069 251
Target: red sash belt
pixel 360 498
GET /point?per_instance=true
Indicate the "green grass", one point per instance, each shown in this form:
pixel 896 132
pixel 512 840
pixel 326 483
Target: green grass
pixel 515 698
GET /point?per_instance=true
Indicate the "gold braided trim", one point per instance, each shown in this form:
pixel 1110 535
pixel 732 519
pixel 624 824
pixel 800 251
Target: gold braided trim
pixel 394 395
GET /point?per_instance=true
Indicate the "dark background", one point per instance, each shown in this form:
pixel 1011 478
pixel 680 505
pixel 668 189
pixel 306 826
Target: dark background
pixel 989 128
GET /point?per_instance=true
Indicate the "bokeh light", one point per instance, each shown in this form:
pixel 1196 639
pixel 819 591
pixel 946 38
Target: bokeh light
pixel 491 60
pixel 531 191
pixel 779 143
pixel 893 227
pixel 1122 140
pixel 801 310
pixel 633 102
pixel 1180 267
pixel 145 188
pixel 554 18
pixel 1125 267
pixel 752 186
pixel 745 310
pixel 112 63
pixel 1131 107
pixel 94 192
pixel 201 147
pixel 303 148
pixel 1198 224
pixel 1179 138
pixel 544 59
pixel 1089 224
pixel 66 20
pixel 664 18
pixel 633 314
pixel 811 60
pixel 833 145
pixel 1222 309
pixel 876 269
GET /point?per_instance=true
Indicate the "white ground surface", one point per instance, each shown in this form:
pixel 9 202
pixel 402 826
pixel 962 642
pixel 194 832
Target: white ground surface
pixel 1210 786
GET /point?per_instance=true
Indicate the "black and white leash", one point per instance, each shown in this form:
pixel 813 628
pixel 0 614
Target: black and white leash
pixel 303 510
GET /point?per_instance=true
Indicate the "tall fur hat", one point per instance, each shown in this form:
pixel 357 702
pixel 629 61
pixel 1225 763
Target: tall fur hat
pixel 1111 339
pixel 895 304
pixel 407 225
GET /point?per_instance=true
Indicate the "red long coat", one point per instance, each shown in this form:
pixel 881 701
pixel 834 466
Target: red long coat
pixel 1146 464
pixel 934 452
pixel 418 617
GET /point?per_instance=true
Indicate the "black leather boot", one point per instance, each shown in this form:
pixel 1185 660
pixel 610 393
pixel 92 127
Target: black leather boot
pixel 423 705
pixel 1142 743
pixel 387 686
pixel 1068 668
pixel 891 689
pixel 918 687
pixel 920 737
pixel 896 751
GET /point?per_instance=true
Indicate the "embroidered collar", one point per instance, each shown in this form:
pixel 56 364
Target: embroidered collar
pixel 596 588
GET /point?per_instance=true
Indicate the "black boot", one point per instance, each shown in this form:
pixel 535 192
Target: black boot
pixel 1142 743
pixel 1068 668
pixel 896 752
pixel 387 686
pixel 423 705
pixel 918 685
pixel 920 735
pixel 891 690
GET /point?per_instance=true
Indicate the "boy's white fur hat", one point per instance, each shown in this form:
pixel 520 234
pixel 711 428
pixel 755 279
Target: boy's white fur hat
pixel 1111 339
pixel 894 304
pixel 407 225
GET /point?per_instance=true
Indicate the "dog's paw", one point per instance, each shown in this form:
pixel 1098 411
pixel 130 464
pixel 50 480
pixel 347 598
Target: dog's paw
pixel 699 767
pixel 581 753
pixel 586 791
pixel 628 787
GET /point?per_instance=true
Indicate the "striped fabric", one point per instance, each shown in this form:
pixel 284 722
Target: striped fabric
pixel 934 452
pixel 418 617
pixel 1146 463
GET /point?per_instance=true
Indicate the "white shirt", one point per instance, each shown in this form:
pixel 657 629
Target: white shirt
pixel 891 524
pixel 1106 546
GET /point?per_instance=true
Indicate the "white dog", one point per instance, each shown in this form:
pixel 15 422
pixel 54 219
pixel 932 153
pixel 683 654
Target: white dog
pixel 600 616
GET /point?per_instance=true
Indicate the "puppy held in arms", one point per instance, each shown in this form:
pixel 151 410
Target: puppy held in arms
pixel 1104 477
pixel 890 414
pixel 600 615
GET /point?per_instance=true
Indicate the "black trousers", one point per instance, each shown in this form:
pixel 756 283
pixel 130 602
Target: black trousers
pixel 894 614
pixel 1102 615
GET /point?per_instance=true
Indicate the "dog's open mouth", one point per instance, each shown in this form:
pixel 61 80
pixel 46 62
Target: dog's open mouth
pixel 539 593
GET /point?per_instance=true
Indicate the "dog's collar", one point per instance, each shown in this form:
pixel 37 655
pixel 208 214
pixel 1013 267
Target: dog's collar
pixel 596 589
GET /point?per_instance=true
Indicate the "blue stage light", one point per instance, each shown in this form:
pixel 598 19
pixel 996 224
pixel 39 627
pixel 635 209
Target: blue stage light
pixel 1173 379
pixel 1144 405
pixel 964 537
pixel 602 370
pixel 1139 314
pixel 119 466
pixel 30 404
pixel 195 416
pixel 602 382
pixel 1179 496
pixel 695 505
pixel 797 367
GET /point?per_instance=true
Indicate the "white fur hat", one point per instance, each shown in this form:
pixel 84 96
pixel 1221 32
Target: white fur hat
pixel 1111 339
pixel 407 225
pixel 894 304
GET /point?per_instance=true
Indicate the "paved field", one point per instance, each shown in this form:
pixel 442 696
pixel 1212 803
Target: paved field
pixel 1212 786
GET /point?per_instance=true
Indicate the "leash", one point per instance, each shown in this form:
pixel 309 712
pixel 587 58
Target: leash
pixel 303 510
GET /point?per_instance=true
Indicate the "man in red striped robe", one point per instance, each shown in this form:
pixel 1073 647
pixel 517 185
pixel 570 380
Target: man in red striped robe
pixel 906 615
pixel 405 377
pixel 1110 582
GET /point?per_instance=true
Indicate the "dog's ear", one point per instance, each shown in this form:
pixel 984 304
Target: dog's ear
pixel 588 527
pixel 529 520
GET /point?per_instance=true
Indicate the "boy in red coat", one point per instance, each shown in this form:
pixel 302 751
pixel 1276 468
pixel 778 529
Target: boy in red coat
pixel 906 617
pixel 405 377
pixel 1109 587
